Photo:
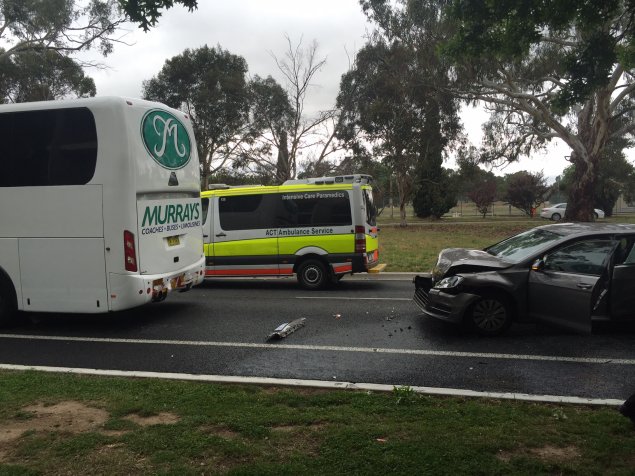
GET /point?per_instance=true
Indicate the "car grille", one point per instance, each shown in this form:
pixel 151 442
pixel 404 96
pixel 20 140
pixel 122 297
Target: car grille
pixel 421 298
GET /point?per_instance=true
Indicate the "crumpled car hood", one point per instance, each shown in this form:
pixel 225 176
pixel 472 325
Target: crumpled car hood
pixel 466 260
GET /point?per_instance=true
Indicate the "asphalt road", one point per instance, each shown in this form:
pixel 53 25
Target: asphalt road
pixel 364 330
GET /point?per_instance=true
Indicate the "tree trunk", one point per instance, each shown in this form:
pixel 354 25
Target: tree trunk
pixel 404 188
pixel 580 203
pixel 204 180
pixel 283 171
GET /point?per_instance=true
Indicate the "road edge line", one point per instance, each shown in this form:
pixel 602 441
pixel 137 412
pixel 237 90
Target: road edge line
pixel 319 384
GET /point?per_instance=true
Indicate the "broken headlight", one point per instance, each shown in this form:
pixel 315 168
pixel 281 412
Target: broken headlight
pixel 449 283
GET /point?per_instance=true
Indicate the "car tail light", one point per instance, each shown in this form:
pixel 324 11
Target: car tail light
pixel 129 251
pixel 360 239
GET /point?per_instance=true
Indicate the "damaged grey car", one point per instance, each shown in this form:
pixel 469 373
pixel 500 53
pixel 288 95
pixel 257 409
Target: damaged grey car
pixel 567 274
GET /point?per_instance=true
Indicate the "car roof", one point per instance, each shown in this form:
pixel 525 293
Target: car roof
pixel 568 229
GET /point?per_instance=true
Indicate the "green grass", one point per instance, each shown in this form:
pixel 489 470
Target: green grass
pixel 415 248
pixel 253 430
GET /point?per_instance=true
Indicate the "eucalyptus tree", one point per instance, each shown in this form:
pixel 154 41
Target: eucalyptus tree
pixel 308 132
pixel 399 101
pixel 380 113
pixel 210 85
pixel 39 38
pixel 560 69
pixel 147 12
pixel 289 131
pixel 42 76
pixel 272 115
pixel 61 26
pixel 616 176
pixel 68 26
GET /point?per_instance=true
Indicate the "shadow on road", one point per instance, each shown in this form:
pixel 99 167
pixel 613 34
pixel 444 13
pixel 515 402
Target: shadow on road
pixel 607 338
pixel 78 324
pixel 288 284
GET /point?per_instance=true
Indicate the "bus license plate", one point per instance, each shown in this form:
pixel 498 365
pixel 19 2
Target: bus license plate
pixel 173 240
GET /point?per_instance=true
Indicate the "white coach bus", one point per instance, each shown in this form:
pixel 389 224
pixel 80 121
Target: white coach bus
pixel 99 205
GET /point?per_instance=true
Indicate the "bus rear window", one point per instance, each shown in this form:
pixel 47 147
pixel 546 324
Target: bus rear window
pixel 48 147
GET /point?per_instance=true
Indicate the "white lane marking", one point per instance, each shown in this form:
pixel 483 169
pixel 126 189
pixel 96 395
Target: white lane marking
pixel 354 298
pixel 329 348
pixel 457 392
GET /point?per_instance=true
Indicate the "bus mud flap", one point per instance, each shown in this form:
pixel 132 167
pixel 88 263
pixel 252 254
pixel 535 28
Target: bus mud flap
pixel 283 330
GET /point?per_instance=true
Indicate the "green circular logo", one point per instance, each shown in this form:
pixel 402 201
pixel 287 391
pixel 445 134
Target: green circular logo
pixel 166 139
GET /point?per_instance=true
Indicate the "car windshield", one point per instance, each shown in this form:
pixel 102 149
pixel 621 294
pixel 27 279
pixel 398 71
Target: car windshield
pixel 519 247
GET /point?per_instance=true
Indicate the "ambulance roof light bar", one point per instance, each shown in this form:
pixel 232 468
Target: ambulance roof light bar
pixel 355 178
pixel 222 186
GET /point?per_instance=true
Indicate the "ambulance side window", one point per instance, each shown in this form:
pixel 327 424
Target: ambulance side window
pixel 247 212
pixel 311 209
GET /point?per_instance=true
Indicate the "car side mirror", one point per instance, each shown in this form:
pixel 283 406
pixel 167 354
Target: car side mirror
pixel 538 265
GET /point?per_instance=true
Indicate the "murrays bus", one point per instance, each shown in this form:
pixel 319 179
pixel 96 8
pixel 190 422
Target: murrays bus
pixel 99 205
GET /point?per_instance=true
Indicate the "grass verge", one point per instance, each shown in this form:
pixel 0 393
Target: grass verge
pixel 415 248
pixel 66 424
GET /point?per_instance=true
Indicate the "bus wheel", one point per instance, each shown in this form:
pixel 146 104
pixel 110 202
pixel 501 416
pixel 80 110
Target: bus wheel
pixel 7 303
pixel 312 274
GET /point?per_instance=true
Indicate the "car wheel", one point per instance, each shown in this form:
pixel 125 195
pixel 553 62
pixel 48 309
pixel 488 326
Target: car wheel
pixel 491 315
pixel 312 274
pixel 596 215
pixel 556 217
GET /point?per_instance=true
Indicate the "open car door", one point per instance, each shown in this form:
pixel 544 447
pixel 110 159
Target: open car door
pixel 622 297
pixel 568 284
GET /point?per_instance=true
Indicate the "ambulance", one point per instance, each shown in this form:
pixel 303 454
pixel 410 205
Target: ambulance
pixel 319 229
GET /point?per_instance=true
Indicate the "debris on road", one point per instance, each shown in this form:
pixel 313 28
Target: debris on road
pixel 283 330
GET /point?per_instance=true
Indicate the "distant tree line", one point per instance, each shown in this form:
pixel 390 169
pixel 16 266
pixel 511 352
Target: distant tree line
pixel 562 70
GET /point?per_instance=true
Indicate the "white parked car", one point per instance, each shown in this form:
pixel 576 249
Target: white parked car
pixel 556 212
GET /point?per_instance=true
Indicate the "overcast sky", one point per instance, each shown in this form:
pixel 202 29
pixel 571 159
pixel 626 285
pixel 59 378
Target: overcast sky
pixel 254 29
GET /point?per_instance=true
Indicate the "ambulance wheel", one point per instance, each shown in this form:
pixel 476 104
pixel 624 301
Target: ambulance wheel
pixel 312 274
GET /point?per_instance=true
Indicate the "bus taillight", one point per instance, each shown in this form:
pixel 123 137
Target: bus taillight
pixel 360 239
pixel 129 251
